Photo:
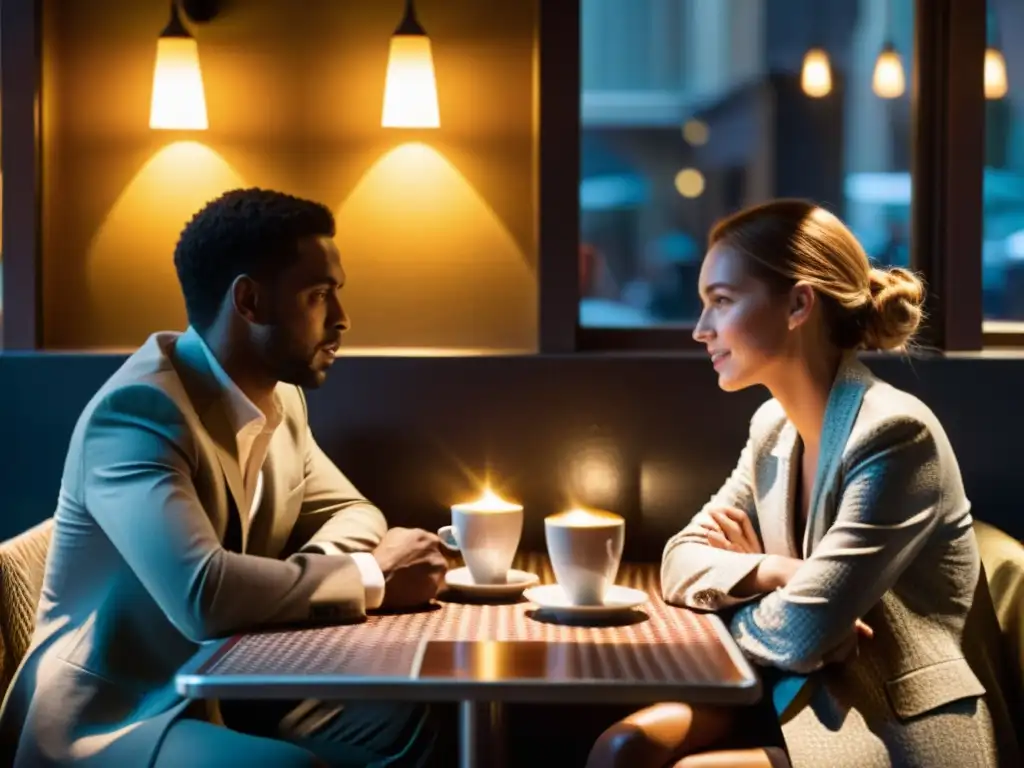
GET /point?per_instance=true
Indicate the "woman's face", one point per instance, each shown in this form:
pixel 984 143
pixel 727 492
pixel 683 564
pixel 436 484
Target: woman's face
pixel 745 326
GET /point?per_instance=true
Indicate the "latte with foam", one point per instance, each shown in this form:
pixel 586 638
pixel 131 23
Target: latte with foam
pixel 487 533
pixel 585 518
pixel 489 503
pixel 585 548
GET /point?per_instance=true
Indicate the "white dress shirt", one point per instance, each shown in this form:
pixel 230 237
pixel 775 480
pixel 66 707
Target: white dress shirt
pixel 253 431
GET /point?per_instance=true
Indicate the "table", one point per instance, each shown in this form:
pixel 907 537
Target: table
pixel 484 655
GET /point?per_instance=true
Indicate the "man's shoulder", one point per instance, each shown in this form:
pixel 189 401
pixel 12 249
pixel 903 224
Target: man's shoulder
pixel 147 380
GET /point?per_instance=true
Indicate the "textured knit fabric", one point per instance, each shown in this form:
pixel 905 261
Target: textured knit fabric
pixel 888 539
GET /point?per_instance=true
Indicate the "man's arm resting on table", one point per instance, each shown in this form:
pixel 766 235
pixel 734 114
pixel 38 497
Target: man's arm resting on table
pixel 371 574
pixel 136 479
pixel 333 510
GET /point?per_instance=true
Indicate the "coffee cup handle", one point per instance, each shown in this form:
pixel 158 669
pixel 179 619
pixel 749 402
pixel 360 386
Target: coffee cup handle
pixel 447 536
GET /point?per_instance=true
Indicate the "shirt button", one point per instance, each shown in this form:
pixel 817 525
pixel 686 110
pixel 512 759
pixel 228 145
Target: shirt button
pixel 704 597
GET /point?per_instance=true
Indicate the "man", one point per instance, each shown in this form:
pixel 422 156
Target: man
pixel 195 504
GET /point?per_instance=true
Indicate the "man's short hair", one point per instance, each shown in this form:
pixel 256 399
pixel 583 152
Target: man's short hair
pixel 245 231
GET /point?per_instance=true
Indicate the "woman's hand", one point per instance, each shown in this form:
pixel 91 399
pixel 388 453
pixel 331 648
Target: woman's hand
pixel 773 572
pixel 850 646
pixel 732 531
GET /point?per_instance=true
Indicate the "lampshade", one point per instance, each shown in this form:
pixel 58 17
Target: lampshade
pixel 816 75
pixel 179 101
pixel 410 89
pixel 889 81
pixel 996 83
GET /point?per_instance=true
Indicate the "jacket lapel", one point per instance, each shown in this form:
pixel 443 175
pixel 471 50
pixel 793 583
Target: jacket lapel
pixel 844 401
pixel 207 398
pixel 776 504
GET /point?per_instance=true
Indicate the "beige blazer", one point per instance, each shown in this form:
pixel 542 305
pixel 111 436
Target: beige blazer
pixel 150 557
pixel 888 539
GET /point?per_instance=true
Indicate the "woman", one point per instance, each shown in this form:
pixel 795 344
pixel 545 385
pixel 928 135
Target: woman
pixel 841 545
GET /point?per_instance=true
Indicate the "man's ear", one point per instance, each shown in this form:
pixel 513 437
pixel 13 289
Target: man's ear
pixel 245 298
pixel 802 299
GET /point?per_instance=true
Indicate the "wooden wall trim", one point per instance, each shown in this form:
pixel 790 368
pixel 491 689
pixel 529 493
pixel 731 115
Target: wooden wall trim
pixel 948 167
pixel 20 154
pixel 558 174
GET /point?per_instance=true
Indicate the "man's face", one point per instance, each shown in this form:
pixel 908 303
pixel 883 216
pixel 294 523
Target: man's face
pixel 305 321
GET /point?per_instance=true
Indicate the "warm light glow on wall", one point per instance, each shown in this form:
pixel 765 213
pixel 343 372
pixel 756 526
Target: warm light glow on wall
pixel 179 101
pixel 425 244
pixel 128 254
pixel 889 81
pixel 996 84
pixel 410 88
pixel 816 75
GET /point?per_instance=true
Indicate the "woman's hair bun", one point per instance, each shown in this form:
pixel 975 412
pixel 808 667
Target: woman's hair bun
pixel 895 309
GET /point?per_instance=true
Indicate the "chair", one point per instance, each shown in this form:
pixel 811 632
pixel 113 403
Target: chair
pixel 1002 557
pixel 22 564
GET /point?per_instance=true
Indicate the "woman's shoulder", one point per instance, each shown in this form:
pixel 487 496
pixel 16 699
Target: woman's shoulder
pixel 889 416
pixel 768 420
pixel 884 406
pixel 886 416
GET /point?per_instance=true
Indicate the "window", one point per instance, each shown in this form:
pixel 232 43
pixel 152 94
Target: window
pixel 692 109
pixel 1003 243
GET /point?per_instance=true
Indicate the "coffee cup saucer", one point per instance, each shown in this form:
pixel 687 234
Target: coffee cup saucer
pixel 551 598
pixel 460 580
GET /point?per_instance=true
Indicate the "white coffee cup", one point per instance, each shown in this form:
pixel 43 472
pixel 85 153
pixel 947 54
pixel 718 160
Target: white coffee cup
pixel 487 533
pixel 585 549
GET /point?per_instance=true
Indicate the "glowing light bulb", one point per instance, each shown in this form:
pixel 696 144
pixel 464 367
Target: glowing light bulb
pixel 996 84
pixel 889 81
pixel 816 75
pixel 178 100
pixel 410 87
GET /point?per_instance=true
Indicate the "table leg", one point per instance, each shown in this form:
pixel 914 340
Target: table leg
pixel 481 732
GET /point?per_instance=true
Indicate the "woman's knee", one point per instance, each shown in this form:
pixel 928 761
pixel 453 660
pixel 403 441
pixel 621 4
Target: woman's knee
pixel 649 737
pixel 619 745
pixel 761 757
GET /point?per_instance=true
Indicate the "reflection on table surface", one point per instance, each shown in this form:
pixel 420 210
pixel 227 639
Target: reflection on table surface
pixel 560 662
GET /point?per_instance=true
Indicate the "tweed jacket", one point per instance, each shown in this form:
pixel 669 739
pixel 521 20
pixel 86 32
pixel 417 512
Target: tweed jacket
pixel 888 539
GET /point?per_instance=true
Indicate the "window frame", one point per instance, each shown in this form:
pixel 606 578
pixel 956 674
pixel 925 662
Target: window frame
pixel 558 175
pixel 20 157
pixel 947 168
